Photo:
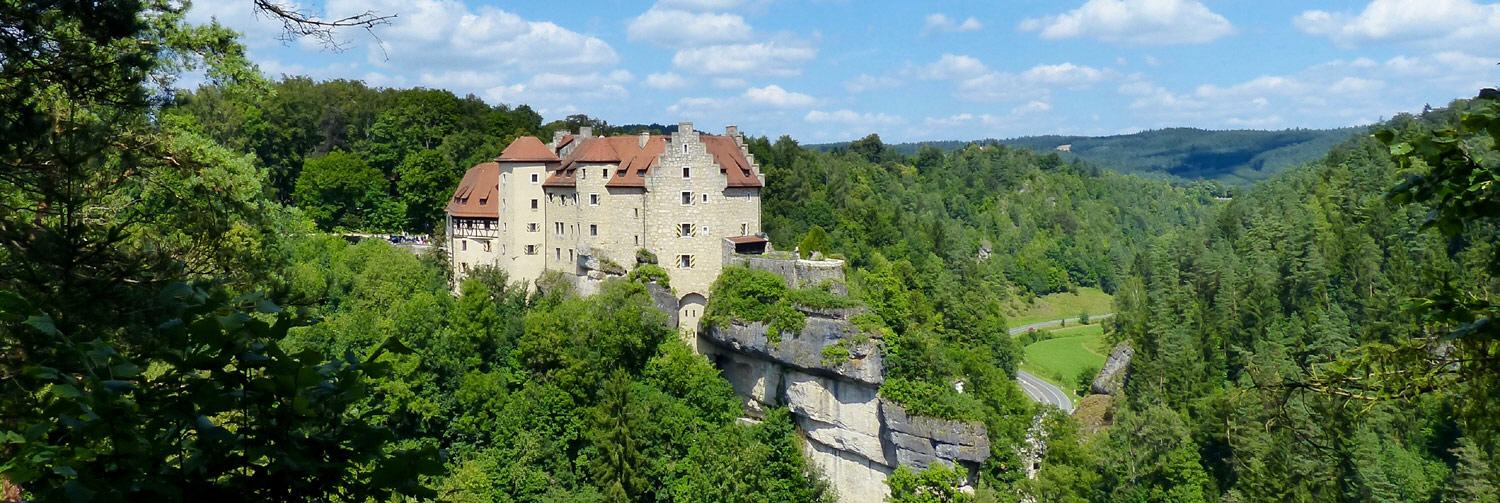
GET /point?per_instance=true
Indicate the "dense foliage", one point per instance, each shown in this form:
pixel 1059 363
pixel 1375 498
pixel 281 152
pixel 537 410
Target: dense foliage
pixel 1283 337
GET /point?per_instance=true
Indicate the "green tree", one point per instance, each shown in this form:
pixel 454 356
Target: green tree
pixel 816 240
pixel 339 190
pixel 425 180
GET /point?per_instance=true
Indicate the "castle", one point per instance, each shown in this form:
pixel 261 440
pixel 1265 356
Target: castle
pixel 585 205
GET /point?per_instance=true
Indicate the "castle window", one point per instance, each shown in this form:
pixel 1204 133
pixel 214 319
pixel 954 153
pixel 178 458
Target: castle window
pixel 685 261
pixel 570 254
pixel 533 227
pixel 637 212
pixel 593 199
pixel 536 177
pixel 684 148
pixel 684 230
pixel 464 245
pixel 604 173
pixel 705 198
pixel 637 239
pixel 744 229
pixel 559 226
pixel 504 177
pixel 593 230
pixel 687 172
pixel 687 197
pixel 464 266
pixel 531 249
pixel 535 203
pixel 558 252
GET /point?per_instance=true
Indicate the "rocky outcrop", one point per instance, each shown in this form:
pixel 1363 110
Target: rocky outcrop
pixel 804 351
pixel 921 441
pixel 853 436
pixel 1111 378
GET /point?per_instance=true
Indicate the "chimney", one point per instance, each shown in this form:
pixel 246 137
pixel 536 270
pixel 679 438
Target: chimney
pixel 684 127
pixel 586 131
pixel 645 136
pixel 731 131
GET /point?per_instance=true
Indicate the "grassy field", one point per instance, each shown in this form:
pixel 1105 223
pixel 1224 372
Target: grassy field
pixel 1062 305
pixel 1069 352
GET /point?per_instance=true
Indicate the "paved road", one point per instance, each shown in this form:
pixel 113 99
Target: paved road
pixel 1039 390
pixel 1044 392
pixel 1049 324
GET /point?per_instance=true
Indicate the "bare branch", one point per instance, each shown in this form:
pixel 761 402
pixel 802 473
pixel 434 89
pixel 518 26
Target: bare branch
pixel 296 23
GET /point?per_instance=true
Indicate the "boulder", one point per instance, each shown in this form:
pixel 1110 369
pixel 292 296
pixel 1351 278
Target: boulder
pixel 1111 378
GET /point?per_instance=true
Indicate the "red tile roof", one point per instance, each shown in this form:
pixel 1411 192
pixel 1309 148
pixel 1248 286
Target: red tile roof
pixel 595 150
pixel 478 193
pixel 527 149
pixel 633 161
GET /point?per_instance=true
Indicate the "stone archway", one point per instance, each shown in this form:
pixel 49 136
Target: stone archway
pixel 689 311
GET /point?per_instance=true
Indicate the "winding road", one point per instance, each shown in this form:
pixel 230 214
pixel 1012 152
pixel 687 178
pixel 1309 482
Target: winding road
pixel 1039 390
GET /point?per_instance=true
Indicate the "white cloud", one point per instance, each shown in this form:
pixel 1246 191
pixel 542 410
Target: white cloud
pixel 1439 21
pixel 730 83
pixel 975 81
pixel 764 58
pixel 665 81
pixel 1064 74
pixel 1033 106
pixel 701 4
pixel 554 91
pixel 774 96
pixel 954 66
pixel 1146 22
pixel 866 82
pixel 942 23
pixel 1336 93
pixel 850 118
pixel 671 27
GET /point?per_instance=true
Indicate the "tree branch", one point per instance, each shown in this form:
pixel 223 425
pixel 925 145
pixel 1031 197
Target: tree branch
pixel 296 23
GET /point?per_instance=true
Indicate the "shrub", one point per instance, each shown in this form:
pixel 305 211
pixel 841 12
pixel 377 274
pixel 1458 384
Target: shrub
pixel 928 399
pixel 609 266
pixel 644 256
pixel 836 353
pixel 650 273
pixel 749 295
pixel 815 298
pixel 1085 379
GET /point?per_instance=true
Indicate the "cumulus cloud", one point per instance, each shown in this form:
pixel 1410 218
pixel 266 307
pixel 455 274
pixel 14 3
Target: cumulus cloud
pixel 866 82
pixel 1439 21
pixel 774 96
pixel 850 118
pixel 764 58
pixel 975 81
pixel 954 66
pixel 1335 93
pixel 1064 74
pixel 665 81
pixel 672 27
pixel 562 89
pixel 942 23
pixel 1145 22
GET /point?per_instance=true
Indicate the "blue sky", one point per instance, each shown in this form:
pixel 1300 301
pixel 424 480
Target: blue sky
pixel 830 70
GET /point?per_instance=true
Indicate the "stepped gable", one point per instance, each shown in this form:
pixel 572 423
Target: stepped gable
pixel 731 160
pixel 527 149
pixel 475 194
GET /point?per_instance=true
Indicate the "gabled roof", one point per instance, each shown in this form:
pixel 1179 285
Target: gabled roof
pixel 478 193
pixel 527 149
pixel 633 160
pixel 596 150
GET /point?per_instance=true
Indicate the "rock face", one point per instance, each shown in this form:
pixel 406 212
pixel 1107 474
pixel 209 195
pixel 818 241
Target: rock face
pixel 853 436
pixel 1111 378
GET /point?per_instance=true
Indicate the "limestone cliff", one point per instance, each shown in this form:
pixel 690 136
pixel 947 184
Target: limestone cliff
pixel 855 437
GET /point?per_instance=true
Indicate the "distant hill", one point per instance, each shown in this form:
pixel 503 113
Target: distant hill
pixel 1234 157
